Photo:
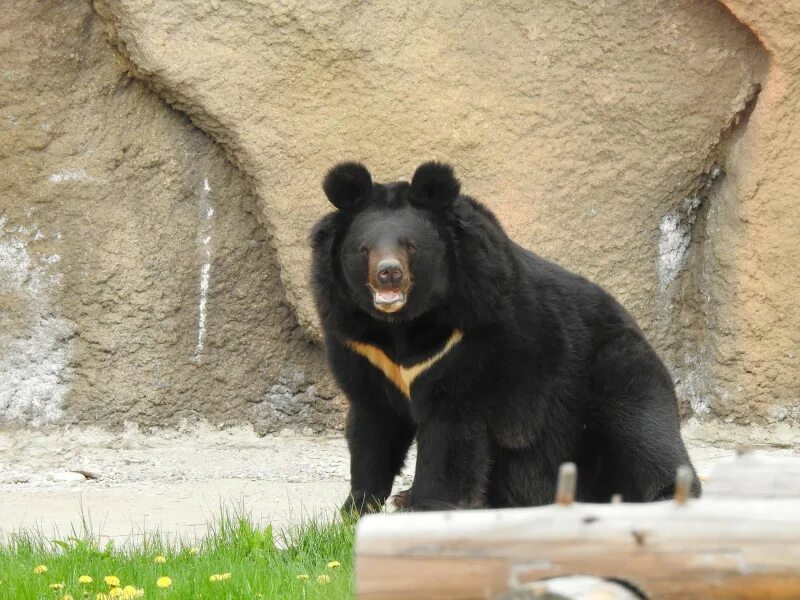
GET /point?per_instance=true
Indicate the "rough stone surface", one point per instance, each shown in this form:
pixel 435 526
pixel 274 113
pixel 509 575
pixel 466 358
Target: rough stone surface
pixel 135 281
pixel 753 283
pixel 592 130
pixel 592 120
pixel 626 140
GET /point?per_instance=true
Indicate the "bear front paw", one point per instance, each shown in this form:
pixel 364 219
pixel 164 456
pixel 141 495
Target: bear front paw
pixel 405 501
pixel 402 499
pixel 359 504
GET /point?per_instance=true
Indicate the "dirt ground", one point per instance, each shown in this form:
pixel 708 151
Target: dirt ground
pixel 176 481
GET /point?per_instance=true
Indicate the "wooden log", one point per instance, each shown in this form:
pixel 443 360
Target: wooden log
pixel 750 475
pixel 710 548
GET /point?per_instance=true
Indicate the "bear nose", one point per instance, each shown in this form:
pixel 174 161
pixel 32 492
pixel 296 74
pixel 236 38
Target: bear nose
pixel 389 272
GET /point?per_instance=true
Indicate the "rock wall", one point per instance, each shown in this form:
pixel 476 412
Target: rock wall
pixel 136 283
pixel 152 275
pixel 753 249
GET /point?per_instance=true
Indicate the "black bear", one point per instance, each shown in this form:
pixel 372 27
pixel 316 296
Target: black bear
pixel 502 365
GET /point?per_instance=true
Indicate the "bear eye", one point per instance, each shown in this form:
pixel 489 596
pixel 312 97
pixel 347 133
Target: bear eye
pixel 411 247
pixel 363 249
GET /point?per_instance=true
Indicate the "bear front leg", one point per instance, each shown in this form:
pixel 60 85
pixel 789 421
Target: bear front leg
pixel 378 440
pixel 452 466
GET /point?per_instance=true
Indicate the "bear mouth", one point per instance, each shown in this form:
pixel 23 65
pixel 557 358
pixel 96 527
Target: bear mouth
pixel 388 301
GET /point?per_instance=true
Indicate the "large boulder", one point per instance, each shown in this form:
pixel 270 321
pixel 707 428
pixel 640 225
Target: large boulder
pixel 750 320
pixel 136 283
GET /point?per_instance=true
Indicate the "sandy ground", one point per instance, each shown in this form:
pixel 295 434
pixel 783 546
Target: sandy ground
pixel 175 482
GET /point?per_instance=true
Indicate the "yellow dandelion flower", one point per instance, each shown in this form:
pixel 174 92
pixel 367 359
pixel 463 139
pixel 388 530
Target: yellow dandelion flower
pixel 85 579
pixel 111 580
pixel 115 593
pixel 102 596
pixel 67 597
pixel 303 577
pixel 220 577
pixel 334 564
pixel 160 559
pixel 323 579
pixel 164 582
pixel 56 586
pixel 194 551
pixel 129 592
pixel 39 569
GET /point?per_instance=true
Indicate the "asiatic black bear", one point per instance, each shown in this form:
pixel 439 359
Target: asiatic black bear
pixel 502 365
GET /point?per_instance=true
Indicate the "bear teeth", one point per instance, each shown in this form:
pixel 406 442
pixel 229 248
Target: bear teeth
pixel 388 296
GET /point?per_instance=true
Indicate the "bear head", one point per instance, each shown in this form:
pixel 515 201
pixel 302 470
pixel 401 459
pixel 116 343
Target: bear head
pixel 391 241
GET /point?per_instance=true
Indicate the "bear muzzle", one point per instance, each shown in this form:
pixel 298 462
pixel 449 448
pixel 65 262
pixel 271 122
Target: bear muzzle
pixel 389 281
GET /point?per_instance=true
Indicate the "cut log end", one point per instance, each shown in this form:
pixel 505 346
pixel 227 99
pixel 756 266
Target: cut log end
pixel 574 587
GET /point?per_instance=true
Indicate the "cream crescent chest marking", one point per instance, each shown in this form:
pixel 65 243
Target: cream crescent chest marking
pixel 402 377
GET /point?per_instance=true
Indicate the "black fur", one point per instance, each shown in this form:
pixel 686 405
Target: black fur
pixel 348 185
pixel 550 368
pixel 434 186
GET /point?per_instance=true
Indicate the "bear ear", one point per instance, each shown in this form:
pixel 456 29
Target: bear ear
pixel 348 185
pixel 434 186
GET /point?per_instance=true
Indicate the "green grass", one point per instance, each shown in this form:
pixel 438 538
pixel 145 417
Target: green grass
pixel 259 567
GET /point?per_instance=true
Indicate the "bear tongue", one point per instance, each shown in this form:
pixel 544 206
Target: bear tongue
pixel 388 296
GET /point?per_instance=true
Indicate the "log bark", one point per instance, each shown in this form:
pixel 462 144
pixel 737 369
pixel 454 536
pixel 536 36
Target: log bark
pixel 709 548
